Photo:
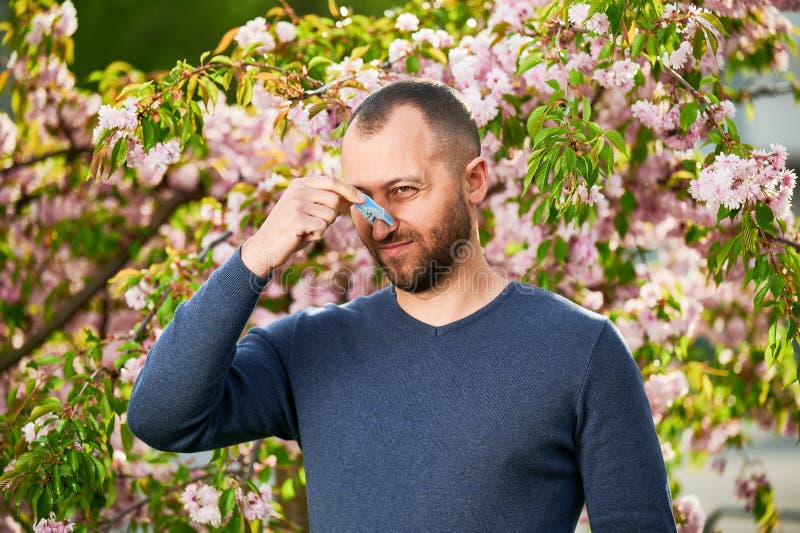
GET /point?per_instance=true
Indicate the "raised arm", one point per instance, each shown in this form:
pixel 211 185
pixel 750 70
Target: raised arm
pixel 200 388
pixel 619 456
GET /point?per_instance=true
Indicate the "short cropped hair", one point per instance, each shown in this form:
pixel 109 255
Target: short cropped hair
pixel 443 108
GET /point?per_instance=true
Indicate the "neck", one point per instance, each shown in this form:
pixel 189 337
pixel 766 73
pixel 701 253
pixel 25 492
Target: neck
pixel 469 286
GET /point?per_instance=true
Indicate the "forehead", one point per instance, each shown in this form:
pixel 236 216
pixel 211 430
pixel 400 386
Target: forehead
pixel 402 148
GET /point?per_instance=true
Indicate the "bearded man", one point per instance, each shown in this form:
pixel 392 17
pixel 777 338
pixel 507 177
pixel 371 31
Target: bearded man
pixel 453 399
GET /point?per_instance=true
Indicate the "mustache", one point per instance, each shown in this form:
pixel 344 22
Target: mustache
pixel 395 238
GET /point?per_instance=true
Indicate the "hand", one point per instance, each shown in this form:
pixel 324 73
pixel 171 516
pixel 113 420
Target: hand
pixel 305 210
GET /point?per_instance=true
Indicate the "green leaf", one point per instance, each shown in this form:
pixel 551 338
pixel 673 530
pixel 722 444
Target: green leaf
pixel 560 250
pixel 338 132
pixel 528 62
pixel 227 501
pixel 627 201
pixel 638 44
pixel 412 64
pixel 764 217
pixel 319 60
pixel 605 52
pixel 127 437
pixel 541 251
pixel 48 405
pixel 535 120
pixel 119 154
pixel 688 115
pixel 617 140
pixel 587 109
pixel 776 284
pixel 714 20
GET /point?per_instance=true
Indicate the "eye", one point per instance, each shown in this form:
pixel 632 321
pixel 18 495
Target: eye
pixel 404 191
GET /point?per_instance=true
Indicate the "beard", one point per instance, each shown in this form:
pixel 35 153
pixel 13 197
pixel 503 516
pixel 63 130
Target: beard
pixel 425 268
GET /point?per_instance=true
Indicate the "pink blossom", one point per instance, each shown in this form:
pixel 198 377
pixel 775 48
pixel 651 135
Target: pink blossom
pixel 620 75
pixel 498 82
pixel 8 135
pixel 40 427
pixel 130 370
pixel 135 297
pixel 578 13
pixel 717 464
pixel 50 525
pixel 255 32
pixel 286 31
pixel 713 439
pixel 202 504
pixel 222 252
pixel 67 22
pixel 483 109
pixel 747 487
pixel 185 177
pixel 41 25
pixel 162 154
pixel 690 516
pixel 407 22
pixel 124 119
pixel 663 389
pixel 399 49
pixel 436 38
pixel 256 506
pixel 598 23
pixel 681 56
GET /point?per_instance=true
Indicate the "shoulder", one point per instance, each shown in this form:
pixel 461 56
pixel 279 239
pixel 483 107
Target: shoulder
pixel 548 307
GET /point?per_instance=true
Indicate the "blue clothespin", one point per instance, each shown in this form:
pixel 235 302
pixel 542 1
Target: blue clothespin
pixel 371 211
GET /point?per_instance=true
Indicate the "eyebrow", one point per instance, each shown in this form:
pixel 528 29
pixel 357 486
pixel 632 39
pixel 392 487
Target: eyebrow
pixel 389 184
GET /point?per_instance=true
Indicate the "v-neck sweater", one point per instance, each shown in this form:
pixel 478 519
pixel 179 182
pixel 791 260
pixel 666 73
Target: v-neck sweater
pixel 507 419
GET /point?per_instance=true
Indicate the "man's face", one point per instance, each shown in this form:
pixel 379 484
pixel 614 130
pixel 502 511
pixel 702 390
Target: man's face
pixel 402 170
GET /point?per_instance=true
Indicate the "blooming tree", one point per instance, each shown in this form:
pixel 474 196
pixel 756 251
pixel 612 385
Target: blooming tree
pixel 618 180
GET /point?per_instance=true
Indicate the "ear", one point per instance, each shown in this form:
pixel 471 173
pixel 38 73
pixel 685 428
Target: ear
pixel 476 182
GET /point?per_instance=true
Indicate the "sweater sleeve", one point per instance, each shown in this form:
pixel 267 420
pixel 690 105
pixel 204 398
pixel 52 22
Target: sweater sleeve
pixel 202 388
pixel 618 453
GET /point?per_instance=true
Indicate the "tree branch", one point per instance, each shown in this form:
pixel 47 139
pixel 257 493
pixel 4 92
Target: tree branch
pixel 784 240
pixel 98 279
pixel 71 152
pixel 785 87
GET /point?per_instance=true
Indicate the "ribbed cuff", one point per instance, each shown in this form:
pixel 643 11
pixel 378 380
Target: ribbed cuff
pixel 238 282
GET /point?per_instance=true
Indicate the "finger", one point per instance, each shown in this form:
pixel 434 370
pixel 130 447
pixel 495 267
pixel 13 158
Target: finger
pixel 311 225
pixel 329 183
pixel 322 212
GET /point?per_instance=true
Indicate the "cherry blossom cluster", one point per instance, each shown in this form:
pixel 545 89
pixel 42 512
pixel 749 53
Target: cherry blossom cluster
pixel 201 501
pixel 663 389
pixel 733 181
pixel 689 515
pixel 51 525
pixel 60 21
pixel 746 487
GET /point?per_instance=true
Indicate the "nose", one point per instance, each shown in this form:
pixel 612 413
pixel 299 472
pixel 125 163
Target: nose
pixel 381 230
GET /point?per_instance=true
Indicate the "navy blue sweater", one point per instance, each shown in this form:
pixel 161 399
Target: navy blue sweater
pixel 505 420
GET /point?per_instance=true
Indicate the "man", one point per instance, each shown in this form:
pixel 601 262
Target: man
pixel 452 400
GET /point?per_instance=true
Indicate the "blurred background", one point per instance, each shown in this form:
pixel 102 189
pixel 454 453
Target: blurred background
pixel 153 35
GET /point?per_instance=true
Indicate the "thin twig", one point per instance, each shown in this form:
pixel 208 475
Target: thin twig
pixel 289 11
pixel 784 240
pixel 74 151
